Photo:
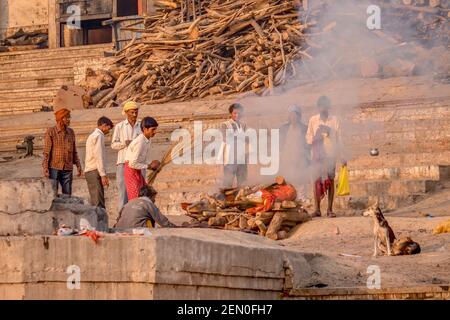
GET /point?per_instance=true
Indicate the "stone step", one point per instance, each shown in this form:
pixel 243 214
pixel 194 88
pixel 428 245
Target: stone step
pixel 391 187
pixel 8 57
pixel 23 105
pixel 386 202
pixel 9 141
pixel 399 147
pixel 174 171
pixel 33 73
pixel 62 62
pixel 427 110
pixel 430 172
pixel 22 94
pixel 410 134
pixel 36 82
pixel 186 183
pixel 388 160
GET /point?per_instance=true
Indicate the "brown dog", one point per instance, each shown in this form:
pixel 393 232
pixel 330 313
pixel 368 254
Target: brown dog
pixel 383 234
pixel 405 246
pixel 384 237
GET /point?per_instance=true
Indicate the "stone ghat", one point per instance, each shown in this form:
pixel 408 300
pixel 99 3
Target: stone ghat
pixel 29 207
pixel 165 265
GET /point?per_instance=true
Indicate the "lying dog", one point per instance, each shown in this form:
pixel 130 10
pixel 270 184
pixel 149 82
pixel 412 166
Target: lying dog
pixel 384 237
pixel 405 246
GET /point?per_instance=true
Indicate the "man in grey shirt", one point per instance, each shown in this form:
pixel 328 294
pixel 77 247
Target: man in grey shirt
pixel 142 212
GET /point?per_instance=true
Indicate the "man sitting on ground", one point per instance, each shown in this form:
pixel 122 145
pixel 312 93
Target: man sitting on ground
pixel 142 212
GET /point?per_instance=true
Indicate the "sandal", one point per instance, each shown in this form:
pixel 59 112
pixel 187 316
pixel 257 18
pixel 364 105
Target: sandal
pixel 331 215
pixel 316 214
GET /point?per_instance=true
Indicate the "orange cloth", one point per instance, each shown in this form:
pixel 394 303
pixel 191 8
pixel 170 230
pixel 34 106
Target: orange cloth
pixel 60 114
pixel 285 192
pixel 94 235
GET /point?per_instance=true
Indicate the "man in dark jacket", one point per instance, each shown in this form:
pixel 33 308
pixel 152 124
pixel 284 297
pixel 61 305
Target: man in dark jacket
pixel 142 212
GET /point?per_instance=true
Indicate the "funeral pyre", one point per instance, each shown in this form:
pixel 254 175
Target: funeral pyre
pixel 268 210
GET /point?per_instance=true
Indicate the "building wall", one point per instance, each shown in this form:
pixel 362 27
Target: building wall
pixel 27 14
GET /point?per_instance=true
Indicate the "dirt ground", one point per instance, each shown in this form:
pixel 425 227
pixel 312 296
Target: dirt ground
pixel 351 234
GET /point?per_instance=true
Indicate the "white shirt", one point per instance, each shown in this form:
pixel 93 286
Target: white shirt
pixel 95 153
pixel 138 153
pixel 123 131
pixel 332 142
pixel 225 152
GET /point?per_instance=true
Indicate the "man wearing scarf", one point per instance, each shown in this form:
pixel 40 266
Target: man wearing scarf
pixel 124 133
pixel 324 136
pixel 60 153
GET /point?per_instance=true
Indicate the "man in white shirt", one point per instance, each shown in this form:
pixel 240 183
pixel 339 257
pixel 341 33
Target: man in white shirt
pixel 137 158
pixel 94 169
pixel 324 136
pixel 232 168
pixel 125 132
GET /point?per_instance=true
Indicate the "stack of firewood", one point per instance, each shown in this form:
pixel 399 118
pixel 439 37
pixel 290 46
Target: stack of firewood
pixel 189 50
pixel 193 49
pixel 228 210
pixel 22 40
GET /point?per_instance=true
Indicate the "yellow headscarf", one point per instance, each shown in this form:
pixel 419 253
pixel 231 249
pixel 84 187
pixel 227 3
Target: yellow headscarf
pixel 130 105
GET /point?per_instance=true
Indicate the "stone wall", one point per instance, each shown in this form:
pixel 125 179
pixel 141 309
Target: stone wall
pixel 168 264
pixel 27 14
pixel 29 207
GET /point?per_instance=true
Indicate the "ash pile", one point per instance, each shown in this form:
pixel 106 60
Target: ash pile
pixel 268 210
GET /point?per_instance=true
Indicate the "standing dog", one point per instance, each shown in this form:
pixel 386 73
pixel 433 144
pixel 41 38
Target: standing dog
pixel 383 234
pixel 384 237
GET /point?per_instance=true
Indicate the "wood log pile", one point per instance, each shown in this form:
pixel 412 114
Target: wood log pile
pixel 22 40
pixel 199 48
pixel 194 49
pixel 229 210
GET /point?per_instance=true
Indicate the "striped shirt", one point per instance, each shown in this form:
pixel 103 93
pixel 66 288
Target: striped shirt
pixel 60 151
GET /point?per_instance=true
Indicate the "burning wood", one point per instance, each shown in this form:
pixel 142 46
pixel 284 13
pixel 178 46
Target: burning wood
pixel 269 210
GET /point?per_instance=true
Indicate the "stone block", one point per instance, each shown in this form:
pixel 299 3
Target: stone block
pixel 169 264
pixel 18 196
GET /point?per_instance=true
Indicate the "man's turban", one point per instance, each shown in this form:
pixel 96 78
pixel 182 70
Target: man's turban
pixel 60 114
pixel 130 105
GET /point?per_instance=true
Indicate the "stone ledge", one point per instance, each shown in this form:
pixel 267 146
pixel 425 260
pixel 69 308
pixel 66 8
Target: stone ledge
pixel 169 264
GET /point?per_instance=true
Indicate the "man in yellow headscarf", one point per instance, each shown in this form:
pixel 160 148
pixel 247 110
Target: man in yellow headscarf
pixel 125 132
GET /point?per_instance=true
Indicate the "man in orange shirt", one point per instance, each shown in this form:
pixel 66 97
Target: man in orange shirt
pixel 60 153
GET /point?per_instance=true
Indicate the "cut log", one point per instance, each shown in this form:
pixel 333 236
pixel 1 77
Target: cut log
pixel 274 226
pixel 217 221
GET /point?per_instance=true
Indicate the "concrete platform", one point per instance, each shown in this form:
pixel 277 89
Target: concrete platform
pixel 29 207
pixel 169 264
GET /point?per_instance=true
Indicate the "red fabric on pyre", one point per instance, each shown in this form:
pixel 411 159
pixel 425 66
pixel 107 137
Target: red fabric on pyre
pixel 284 192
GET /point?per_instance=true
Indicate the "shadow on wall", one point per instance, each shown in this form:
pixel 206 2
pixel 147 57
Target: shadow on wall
pixel 4 18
